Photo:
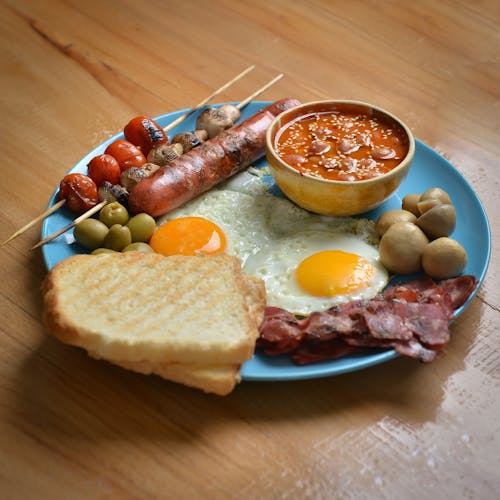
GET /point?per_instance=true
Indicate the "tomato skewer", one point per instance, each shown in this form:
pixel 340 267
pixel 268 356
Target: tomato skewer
pixel 104 168
pixel 79 191
pixel 126 154
pixel 145 133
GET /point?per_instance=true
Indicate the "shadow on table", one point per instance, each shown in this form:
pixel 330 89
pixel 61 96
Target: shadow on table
pixel 67 393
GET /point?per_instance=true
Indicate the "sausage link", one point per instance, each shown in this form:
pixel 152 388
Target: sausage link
pixel 278 107
pixel 207 165
pixel 202 168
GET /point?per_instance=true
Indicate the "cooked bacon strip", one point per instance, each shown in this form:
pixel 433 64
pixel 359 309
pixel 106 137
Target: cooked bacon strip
pixel 329 349
pixel 412 318
pixel 283 333
pixel 459 289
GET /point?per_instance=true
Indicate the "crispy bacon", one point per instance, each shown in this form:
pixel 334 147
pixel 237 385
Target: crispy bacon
pixel 412 318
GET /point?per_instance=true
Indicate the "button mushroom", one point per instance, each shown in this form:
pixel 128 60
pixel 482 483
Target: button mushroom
pixel 132 176
pixel 189 140
pixel 401 248
pixel 444 258
pixel 213 121
pixel 410 202
pixel 165 153
pixel 424 205
pixel 113 192
pixel 438 221
pixel 231 111
pixel 390 217
pixel 436 193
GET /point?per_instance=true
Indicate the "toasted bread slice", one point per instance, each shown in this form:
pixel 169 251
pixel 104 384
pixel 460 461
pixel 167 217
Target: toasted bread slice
pixel 218 379
pixel 256 298
pixel 136 307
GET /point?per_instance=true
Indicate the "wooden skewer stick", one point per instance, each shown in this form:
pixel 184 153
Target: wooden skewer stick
pixel 242 104
pixel 84 216
pixel 30 224
pixel 212 95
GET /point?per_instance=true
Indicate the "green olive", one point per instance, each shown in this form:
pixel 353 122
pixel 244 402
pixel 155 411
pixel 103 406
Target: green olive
pixel 114 213
pixel 138 247
pixel 100 250
pixel 118 237
pixel 90 233
pixel 142 227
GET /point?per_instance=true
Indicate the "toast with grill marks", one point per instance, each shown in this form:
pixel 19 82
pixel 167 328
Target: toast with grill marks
pixel 188 319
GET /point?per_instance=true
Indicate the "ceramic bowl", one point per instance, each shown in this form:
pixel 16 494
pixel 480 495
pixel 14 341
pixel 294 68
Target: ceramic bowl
pixel 336 197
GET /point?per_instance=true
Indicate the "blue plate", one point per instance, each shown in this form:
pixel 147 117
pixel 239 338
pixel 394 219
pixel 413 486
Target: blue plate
pixel 429 169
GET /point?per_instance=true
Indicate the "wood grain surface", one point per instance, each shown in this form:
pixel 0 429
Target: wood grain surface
pixel 72 74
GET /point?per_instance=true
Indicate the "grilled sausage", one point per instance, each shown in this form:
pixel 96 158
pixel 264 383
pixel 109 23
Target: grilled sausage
pixel 278 107
pixel 202 168
pixel 207 165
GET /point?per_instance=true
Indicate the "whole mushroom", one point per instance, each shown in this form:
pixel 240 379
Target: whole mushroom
pixel 410 203
pixel 401 248
pixel 444 258
pixel 214 121
pixel 390 217
pixel 436 193
pixel 438 221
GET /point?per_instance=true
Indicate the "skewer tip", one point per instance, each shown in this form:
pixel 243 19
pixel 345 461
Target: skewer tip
pixel 30 224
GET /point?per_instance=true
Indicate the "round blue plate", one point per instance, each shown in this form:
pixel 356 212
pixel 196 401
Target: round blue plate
pixel 429 169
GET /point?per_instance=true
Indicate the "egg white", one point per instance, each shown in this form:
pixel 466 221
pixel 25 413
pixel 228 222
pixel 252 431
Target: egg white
pixel 277 264
pixel 271 236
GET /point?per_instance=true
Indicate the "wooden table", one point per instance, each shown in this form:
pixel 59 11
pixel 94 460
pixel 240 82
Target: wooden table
pixel 73 73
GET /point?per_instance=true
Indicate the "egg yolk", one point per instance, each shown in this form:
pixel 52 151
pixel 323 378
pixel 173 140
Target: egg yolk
pixel 188 236
pixel 333 272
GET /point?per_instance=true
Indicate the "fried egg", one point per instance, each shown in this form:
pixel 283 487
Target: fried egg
pixel 314 270
pixel 308 262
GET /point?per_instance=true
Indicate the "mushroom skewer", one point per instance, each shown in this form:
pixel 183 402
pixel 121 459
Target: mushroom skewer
pixel 215 120
pixel 133 179
pixel 210 123
pixel 212 95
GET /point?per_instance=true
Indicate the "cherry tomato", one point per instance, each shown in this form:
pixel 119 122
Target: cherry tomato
pixel 126 154
pixel 104 168
pixel 79 191
pixel 145 133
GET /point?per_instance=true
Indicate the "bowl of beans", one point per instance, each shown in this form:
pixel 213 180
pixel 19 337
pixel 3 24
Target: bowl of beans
pixel 338 158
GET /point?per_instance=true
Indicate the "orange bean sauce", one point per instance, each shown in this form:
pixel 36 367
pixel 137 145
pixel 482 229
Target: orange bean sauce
pixel 341 146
